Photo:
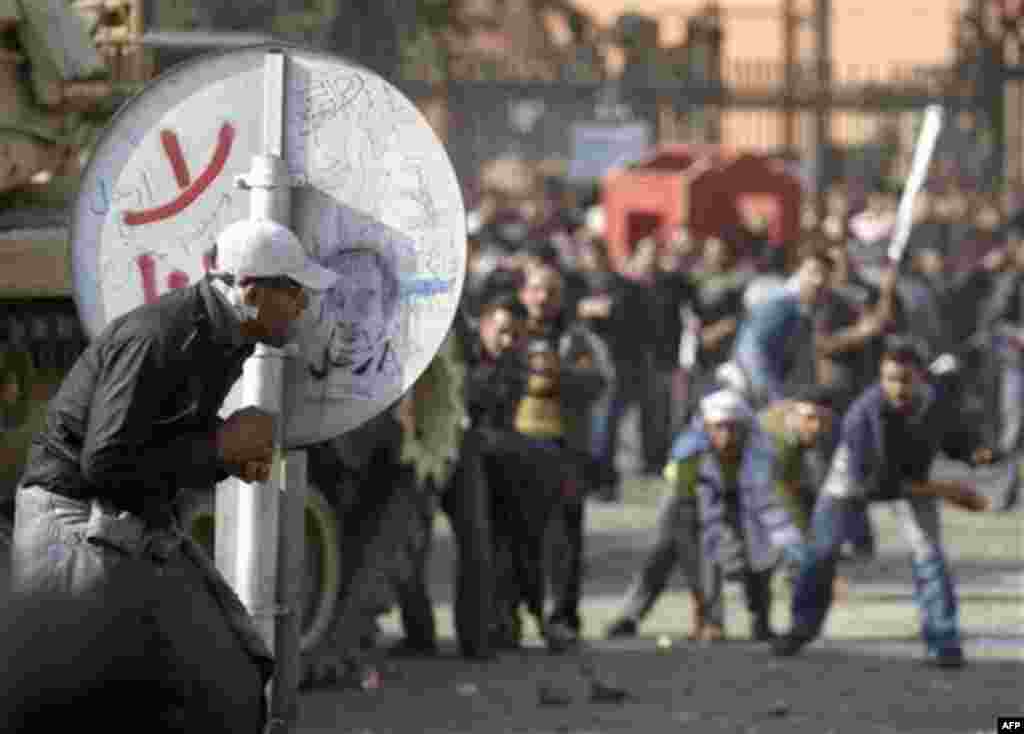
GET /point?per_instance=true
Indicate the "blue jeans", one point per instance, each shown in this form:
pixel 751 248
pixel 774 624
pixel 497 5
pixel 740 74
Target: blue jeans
pixel 858 530
pixel 631 384
pixel 933 585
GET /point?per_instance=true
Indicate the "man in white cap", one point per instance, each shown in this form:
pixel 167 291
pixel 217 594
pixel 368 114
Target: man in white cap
pixel 135 422
pixel 721 518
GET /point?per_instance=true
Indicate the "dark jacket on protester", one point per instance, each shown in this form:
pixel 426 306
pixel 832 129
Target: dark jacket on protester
pixel 1005 309
pixel 886 450
pixel 669 295
pixel 136 418
pixel 627 331
pixel 493 390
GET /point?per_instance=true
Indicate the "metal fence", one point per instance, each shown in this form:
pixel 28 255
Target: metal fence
pixel 872 125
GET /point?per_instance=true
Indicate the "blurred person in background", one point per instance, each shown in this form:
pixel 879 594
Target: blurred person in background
pixel 717 311
pixel 667 294
pixel 1002 324
pixel 873 226
pixel 775 347
pixel 672 296
pixel 803 427
pixel 800 426
pixel 615 309
pixel 852 325
pixel 584 371
pixel 444 452
pixel 495 383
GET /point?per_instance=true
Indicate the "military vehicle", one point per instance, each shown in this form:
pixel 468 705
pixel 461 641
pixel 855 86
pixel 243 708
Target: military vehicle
pixel 65 68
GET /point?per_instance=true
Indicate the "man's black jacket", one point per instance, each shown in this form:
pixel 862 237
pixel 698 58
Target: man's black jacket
pixel 135 419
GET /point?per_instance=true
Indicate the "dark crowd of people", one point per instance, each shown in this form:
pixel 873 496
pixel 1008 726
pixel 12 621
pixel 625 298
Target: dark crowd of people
pixel 780 388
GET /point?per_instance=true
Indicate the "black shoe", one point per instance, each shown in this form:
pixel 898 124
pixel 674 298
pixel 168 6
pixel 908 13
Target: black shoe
pixel 406 648
pixel 624 627
pixel 506 635
pixel 789 645
pixel 560 637
pixel 478 652
pixel 569 619
pixel 947 659
pixel 761 630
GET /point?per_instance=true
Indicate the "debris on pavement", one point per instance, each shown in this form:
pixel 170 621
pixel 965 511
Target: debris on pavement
pixel 603 692
pixel 551 694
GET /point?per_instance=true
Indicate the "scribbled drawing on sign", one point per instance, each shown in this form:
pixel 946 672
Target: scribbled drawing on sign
pixel 105 196
pixel 324 98
pixel 192 189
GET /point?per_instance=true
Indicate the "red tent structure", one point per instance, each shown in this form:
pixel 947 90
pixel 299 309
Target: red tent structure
pixel 710 190
pixel 651 198
pixel 748 192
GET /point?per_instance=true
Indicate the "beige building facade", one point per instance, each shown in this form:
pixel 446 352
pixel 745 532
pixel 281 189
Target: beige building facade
pixel 872 40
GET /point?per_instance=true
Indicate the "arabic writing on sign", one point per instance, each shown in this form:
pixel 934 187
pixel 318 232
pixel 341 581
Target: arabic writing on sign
pixel 322 100
pixel 190 190
pixel 175 279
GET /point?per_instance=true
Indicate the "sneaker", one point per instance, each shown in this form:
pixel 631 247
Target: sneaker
pixel 789 645
pixel 622 628
pixel 507 632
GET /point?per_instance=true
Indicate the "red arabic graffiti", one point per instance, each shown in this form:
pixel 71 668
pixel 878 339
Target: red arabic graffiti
pixel 190 192
pixel 192 189
pixel 173 150
pixel 175 279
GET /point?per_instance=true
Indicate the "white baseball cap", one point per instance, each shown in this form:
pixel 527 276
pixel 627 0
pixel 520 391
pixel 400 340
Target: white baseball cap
pixel 725 405
pixel 262 248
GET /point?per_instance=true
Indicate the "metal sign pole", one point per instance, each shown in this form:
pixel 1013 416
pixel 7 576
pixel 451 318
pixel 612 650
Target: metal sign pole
pixel 265 518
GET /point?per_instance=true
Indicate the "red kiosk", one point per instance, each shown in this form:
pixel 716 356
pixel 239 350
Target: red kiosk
pixel 750 191
pixel 651 197
pixel 704 187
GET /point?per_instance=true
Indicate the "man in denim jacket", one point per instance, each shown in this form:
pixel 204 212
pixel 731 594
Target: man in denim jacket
pixel 775 346
pixel 889 440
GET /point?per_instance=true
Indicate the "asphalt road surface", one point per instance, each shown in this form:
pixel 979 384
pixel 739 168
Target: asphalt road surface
pixel 864 677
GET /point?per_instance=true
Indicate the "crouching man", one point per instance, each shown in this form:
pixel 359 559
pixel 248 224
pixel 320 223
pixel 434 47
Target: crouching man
pixel 722 519
pixel 889 439
pixel 136 420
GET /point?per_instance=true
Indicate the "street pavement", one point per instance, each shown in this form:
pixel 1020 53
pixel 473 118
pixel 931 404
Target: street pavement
pixel 864 676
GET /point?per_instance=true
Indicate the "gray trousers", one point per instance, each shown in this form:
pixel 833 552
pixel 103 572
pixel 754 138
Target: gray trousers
pixel 1011 391
pixel 184 641
pixel 677 542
